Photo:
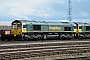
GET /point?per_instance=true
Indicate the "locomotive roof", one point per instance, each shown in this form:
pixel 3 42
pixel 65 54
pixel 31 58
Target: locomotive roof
pixel 44 22
pixel 83 23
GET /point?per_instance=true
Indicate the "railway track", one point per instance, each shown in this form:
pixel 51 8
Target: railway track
pixel 21 41
pixel 41 50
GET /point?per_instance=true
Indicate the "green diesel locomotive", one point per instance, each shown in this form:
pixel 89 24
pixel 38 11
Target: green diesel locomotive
pixel 25 29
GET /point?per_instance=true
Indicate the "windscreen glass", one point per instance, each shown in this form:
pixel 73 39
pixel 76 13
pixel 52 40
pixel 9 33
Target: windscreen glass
pixel 19 25
pixel 14 26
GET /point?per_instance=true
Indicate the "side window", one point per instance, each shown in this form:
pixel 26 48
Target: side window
pixel 36 27
pixel 24 26
pixel 87 28
pixel 67 28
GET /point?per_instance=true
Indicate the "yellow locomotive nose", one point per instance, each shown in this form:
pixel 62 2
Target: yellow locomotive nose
pixel 16 28
pixel 16 32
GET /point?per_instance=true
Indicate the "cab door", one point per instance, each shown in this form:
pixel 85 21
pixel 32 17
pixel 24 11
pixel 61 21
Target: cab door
pixel 24 26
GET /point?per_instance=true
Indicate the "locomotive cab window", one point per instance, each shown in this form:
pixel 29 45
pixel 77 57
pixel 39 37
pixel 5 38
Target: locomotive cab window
pixel 67 28
pixel 80 27
pixel 14 26
pixel 24 26
pixel 36 27
pixel 74 27
pixel 19 25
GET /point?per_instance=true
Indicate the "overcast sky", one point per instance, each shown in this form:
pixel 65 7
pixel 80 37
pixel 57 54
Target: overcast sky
pixel 43 10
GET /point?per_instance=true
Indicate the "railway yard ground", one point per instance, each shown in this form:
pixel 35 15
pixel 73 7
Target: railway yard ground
pixel 45 50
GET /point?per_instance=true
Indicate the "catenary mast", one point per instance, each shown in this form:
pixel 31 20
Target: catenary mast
pixel 69 18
